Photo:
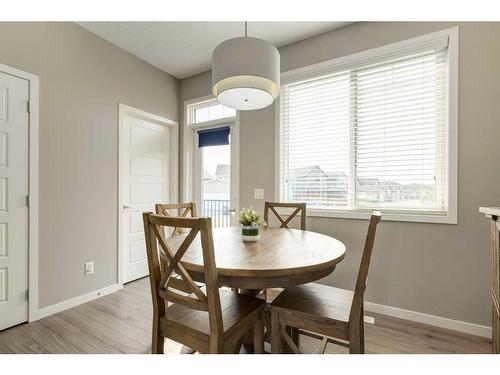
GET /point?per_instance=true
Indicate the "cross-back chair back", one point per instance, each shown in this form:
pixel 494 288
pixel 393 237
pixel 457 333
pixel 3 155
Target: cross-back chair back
pixel 177 210
pixel 169 279
pixel 359 291
pixel 334 315
pixel 283 222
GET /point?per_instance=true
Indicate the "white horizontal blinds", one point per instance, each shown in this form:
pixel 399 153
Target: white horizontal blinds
pixel 368 133
pixel 400 132
pixel 314 141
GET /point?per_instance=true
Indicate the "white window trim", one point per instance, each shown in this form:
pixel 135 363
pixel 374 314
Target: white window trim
pixel 191 162
pixel 452 151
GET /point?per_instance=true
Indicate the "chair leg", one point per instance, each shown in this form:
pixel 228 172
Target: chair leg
pixel 294 334
pixel 354 345
pixel 355 336
pixel 158 341
pixel 264 295
pixel 267 323
pixel 287 340
pixel 258 336
pixel 362 332
pixel 322 346
pixel 275 333
pixel 237 348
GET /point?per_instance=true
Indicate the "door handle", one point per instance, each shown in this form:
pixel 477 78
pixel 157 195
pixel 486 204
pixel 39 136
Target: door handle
pixel 125 207
pixel 233 210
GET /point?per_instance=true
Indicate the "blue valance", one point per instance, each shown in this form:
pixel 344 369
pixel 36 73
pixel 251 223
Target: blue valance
pixel 213 137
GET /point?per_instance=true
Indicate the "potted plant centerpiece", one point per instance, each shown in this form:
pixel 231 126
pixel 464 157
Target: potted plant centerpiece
pixel 251 222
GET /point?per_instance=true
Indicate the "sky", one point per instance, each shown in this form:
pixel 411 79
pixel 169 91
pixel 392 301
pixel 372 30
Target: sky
pixel 214 155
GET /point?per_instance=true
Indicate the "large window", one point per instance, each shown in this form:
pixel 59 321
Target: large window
pixel 370 133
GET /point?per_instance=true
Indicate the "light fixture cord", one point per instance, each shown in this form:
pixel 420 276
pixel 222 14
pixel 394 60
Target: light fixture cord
pixel 246 26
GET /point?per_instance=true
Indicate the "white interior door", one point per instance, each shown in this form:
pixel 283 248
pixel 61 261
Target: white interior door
pixel 146 182
pixel 13 208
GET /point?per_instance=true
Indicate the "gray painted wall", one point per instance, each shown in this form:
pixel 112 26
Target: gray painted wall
pixel 82 80
pixel 437 269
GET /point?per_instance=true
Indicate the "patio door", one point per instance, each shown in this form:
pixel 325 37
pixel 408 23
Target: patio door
pixel 216 161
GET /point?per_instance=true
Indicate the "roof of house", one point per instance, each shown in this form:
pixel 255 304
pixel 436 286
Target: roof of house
pixel 216 180
pixel 223 170
pixel 368 181
pixel 309 171
pixel 315 171
pixel 207 175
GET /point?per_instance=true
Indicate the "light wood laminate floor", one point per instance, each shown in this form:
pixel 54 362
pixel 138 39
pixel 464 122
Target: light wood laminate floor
pixel 121 323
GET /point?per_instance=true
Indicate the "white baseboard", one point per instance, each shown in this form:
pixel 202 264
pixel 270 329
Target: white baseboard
pixel 61 306
pixel 433 320
pixel 437 321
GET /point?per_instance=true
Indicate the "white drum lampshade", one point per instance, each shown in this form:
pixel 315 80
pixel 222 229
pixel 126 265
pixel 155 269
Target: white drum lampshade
pixel 246 73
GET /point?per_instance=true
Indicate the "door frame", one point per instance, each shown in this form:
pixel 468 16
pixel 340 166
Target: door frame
pixel 191 161
pixel 124 110
pixel 33 125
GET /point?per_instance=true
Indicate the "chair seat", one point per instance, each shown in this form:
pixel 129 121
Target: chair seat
pixel 332 313
pixel 237 311
pixel 316 300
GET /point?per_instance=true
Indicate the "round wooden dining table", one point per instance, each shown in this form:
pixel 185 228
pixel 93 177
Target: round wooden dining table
pixel 281 258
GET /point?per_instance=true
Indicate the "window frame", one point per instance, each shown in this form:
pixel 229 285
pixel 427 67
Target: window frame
pixel 372 55
pixel 191 157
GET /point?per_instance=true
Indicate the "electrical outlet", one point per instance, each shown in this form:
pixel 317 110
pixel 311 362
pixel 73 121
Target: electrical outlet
pixel 369 319
pixel 89 268
pixel 258 193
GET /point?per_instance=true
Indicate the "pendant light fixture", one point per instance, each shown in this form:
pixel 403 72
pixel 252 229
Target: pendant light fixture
pixel 246 73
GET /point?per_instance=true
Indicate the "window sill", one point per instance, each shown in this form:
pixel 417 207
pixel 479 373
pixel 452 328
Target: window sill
pixel 386 216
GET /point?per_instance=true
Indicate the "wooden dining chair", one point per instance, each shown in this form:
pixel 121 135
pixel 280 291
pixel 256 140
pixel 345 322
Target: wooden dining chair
pixel 299 207
pixel 330 314
pixel 177 210
pixel 207 319
pixel 283 223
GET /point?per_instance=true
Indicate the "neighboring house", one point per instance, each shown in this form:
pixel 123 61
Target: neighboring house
pixel 223 171
pixel 311 184
pixel 337 189
pixel 307 184
pixel 391 191
pixel 423 193
pixel 215 187
pixel 368 190
pixel 207 176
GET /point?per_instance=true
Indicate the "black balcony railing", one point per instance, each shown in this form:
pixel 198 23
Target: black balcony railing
pixel 218 210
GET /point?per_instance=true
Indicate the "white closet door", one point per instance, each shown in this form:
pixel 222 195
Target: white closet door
pixel 14 94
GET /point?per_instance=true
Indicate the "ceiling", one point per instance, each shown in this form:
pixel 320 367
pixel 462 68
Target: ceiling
pixel 183 49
